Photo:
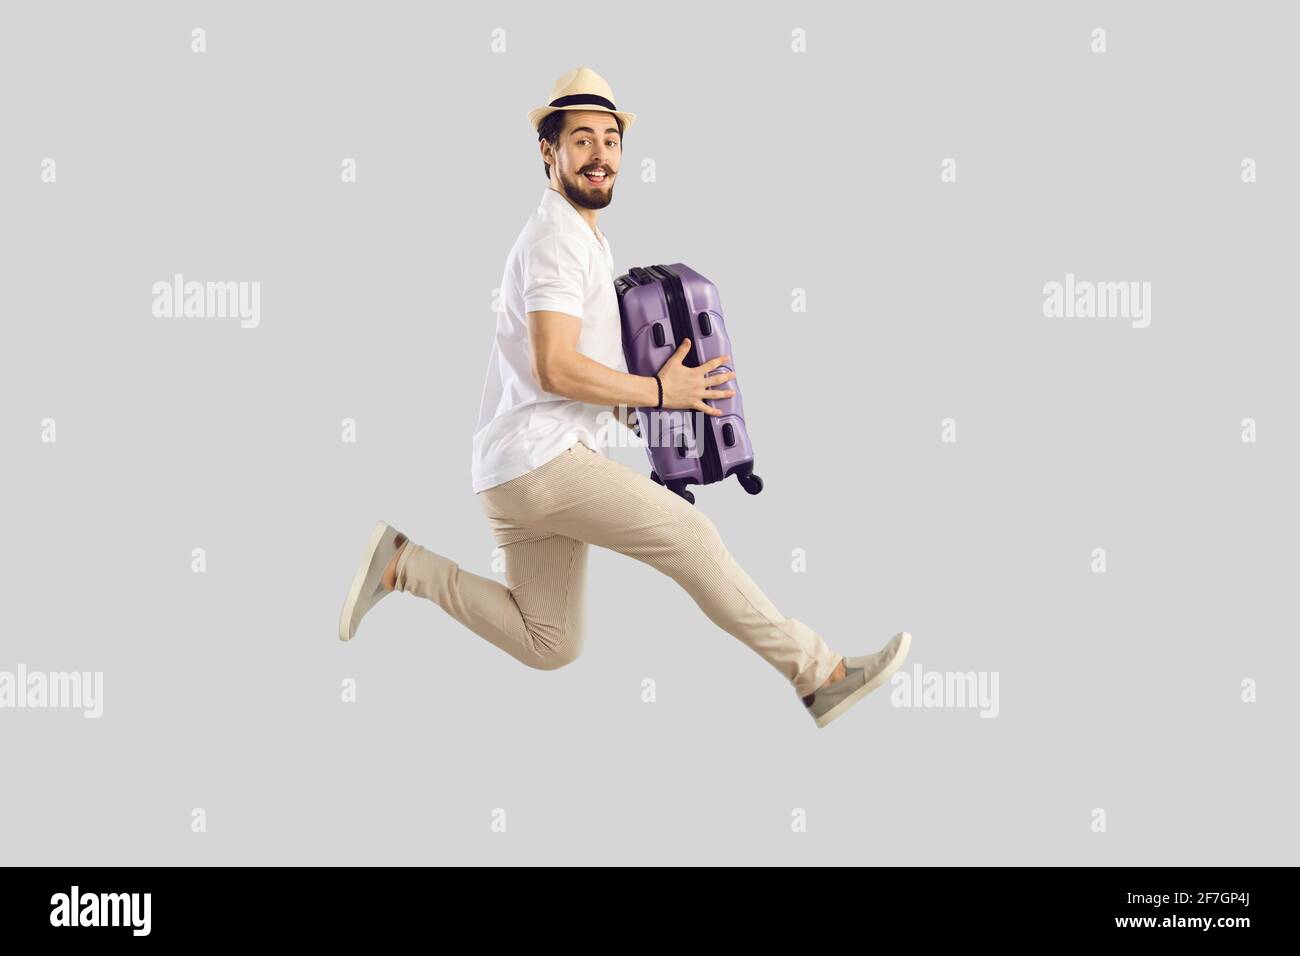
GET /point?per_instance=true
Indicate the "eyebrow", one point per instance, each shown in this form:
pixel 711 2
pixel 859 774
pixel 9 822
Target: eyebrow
pixel 588 129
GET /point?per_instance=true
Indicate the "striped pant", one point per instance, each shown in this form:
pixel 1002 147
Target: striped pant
pixel 545 519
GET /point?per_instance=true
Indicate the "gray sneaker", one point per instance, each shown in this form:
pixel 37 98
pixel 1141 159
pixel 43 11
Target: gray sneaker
pixel 367 584
pixel 862 675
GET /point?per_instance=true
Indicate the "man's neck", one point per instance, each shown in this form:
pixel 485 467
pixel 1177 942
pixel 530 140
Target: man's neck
pixel 588 215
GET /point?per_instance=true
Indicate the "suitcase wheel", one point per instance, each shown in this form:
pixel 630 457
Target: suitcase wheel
pixel 751 483
pixel 677 488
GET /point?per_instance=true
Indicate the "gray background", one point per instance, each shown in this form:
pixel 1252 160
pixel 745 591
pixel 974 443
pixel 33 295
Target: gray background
pixel 775 171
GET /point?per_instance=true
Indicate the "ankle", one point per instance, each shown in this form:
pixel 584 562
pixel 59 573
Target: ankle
pixel 390 572
pixel 838 674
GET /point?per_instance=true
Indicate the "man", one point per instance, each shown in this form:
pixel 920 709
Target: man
pixel 540 471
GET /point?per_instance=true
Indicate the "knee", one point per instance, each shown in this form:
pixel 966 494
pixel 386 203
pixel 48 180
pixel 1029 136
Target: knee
pixel 701 525
pixel 555 649
pixel 692 529
pixel 553 660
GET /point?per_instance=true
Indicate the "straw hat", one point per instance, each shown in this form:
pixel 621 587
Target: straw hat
pixel 580 89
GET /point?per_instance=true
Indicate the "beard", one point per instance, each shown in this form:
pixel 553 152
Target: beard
pixel 583 193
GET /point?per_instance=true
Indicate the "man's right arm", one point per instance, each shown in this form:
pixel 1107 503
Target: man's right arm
pixel 561 369
pixel 554 267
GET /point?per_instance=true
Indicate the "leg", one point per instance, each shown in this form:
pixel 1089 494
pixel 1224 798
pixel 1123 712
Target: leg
pixel 603 502
pixel 539 619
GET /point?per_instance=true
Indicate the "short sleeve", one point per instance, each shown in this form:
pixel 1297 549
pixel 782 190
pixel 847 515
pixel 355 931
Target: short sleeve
pixel 555 274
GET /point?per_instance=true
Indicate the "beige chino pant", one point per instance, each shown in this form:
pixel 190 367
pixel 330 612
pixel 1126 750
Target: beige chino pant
pixel 544 521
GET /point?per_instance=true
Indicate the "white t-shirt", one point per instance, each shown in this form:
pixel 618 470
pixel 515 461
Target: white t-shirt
pixel 558 264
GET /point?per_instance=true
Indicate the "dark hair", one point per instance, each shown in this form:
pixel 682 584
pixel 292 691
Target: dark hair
pixel 552 126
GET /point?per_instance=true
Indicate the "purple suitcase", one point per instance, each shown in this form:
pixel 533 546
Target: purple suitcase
pixel 659 306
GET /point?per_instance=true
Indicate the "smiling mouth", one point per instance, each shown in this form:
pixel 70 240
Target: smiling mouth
pixel 597 177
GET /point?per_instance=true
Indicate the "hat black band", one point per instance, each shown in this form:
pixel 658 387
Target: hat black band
pixel 586 98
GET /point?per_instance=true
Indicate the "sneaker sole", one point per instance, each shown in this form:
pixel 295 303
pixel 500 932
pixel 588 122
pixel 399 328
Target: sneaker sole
pixel 894 664
pixel 359 581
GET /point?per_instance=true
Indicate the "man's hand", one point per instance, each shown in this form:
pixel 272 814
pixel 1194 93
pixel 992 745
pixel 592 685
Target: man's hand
pixel 687 387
